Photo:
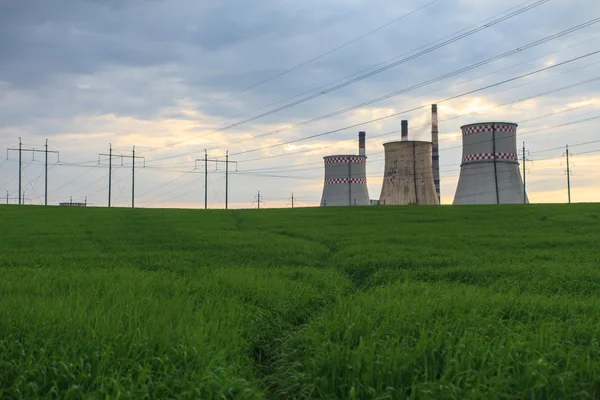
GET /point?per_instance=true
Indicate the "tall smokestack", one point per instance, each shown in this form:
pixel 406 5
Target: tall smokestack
pixel 404 130
pixel 361 143
pixel 435 154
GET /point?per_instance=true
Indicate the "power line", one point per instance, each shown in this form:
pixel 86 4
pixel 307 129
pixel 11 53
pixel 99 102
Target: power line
pixel 294 166
pixel 396 131
pixel 318 88
pixel 385 67
pixel 298 66
pixel 451 118
pixel 425 83
pixel 424 106
pixel 194 188
pixel 89 185
pixel 269 173
pixel 72 180
pixel 33 150
pixel 133 157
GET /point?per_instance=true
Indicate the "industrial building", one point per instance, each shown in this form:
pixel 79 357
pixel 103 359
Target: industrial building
pixel 408 173
pixel 489 172
pixel 70 203
pixel 345 182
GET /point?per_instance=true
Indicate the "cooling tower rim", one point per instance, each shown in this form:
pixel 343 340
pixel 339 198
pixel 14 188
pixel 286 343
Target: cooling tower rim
pixel 407 141
pixel 488 123
pixel 344 155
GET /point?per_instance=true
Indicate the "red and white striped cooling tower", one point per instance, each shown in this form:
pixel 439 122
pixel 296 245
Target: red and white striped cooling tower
pixel 489 172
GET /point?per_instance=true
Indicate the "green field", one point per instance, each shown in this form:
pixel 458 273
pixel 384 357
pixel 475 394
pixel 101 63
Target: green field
pixel 418 302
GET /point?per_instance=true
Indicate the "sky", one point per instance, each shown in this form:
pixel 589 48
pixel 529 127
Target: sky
pixel 176 77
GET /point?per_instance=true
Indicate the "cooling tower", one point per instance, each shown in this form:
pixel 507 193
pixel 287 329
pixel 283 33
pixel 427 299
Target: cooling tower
pixel 346 178
pixel 489 172
pixel 408 176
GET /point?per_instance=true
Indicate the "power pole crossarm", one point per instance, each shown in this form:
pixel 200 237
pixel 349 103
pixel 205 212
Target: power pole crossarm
pixel 33 151
pixel 227 162
pixel 110 156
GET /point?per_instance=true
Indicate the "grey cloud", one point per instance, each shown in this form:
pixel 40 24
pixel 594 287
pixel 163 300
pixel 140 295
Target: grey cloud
pixel 66 59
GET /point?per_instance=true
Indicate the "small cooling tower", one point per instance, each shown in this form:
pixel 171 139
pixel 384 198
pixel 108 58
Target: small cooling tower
pixel 408 174
pixel 346 179
pixel 489 172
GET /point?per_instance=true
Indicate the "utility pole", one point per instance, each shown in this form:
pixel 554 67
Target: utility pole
pixel 524 175
pixel 33 151
pixel 205 180
pixel 133 157
pixel 133 177
pixel 292 200
pixel 258 201
pixel 11 198
pixel 46 174
pixel 109 172
pixel 568 174
pixel 227 179
pixel 110 156
pixel 206 160
pixel 20 169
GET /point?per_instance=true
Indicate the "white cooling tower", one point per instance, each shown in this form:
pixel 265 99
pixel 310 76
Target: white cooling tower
pixel 489 172
pixel 346 178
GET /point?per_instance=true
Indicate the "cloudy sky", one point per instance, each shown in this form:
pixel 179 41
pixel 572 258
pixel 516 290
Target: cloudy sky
pixel 176 77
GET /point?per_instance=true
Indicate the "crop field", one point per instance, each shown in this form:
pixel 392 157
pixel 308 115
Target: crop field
pixel 478 302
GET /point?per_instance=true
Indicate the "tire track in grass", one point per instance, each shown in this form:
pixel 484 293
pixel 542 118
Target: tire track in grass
pixel 266 351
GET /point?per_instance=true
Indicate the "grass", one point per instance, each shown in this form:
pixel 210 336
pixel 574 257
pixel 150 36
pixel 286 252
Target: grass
pixel 359 303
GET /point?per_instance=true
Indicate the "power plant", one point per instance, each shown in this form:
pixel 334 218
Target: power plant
pixel 408 176
pixel 345 181
pixel 489 172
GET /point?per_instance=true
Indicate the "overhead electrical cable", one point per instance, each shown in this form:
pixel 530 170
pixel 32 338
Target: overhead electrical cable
pixel 457 116
pixel 425 83
pixel 369 68
pixel 536 130
pixel 304 63
pixel 383 68
pixel 422 94
pixel 398 131
pixel 423 106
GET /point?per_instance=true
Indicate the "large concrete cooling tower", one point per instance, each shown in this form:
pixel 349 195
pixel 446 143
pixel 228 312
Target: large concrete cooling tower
pixel 346 179
pixel 408 175
pixel 489 173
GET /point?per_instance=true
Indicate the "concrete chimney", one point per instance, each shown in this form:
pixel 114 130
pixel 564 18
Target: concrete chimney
pixel 361 143
pixel 435 153
pixel 404 130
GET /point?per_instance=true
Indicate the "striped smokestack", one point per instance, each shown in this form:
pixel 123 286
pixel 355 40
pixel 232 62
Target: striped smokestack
pixel 404 128
pixel 361 143
pixel 435 154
